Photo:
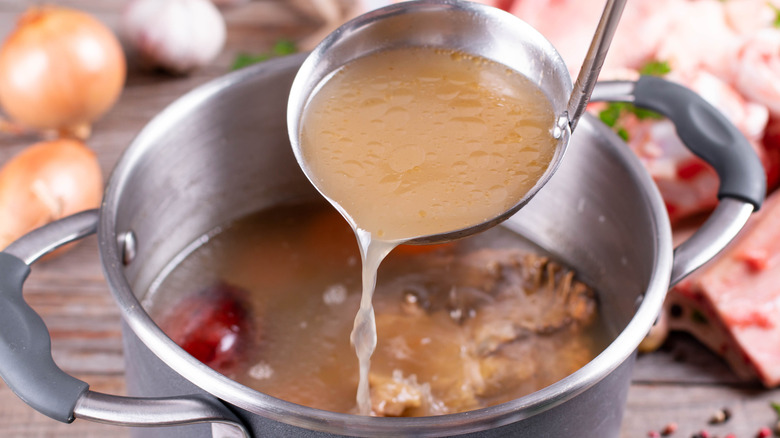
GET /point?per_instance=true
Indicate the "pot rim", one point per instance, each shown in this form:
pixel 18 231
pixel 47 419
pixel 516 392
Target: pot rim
pixel 282 411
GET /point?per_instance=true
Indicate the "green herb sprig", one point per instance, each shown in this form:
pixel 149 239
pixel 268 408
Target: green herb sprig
pixel 656 68
pixel 775 23
pixel 615 111
pixel 280 48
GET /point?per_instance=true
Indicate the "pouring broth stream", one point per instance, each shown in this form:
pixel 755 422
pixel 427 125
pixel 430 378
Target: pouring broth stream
pixel 420 141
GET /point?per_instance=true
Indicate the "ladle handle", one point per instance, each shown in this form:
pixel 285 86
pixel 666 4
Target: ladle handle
pixel 27 366
pixel 711 136
pixel 591 66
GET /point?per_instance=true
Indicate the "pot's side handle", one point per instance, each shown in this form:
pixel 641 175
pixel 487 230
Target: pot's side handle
pixel 27 366
pixel 721 227
pixel 711 136
pixel 708 134
pixel 162 411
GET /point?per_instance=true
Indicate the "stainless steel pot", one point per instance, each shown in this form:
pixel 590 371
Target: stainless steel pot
pixel 222 152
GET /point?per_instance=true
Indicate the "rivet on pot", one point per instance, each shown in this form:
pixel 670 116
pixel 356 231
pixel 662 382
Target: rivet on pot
pixel 127 246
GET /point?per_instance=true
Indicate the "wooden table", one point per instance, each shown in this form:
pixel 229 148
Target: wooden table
pixel 683 383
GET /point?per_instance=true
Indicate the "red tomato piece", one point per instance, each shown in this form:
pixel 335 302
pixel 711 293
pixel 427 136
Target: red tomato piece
pixel 213 325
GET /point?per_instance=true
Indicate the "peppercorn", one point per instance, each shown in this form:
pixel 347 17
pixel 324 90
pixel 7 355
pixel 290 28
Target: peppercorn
pixel 720 416
pixel 669 429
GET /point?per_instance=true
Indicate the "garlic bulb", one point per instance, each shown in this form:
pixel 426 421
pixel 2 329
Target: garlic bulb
pixel 176 35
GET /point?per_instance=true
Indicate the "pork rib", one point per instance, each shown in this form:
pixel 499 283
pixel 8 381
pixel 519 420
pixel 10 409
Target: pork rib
pixel 732 304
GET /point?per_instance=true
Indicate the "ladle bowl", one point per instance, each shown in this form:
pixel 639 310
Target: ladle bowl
pixel 470 28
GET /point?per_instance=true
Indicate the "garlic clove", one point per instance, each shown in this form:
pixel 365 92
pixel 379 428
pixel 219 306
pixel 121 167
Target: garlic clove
pixel 176 35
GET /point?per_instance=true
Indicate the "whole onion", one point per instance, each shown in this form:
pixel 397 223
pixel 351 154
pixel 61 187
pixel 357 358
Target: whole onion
pixel 60 69
pixel 45 182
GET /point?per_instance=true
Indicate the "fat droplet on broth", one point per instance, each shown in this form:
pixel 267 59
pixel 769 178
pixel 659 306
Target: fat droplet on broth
pixel 528 131
pixel 379 83
pixel 389 183
pixel 350 96
pixel 479 159
pixel 261 371
pixel 335 295
pixel 447 92
pixel 497 194
pixel 353 169
pixel 405 158
pixel 401 96
pixel 375 147
pixel 467 107
pixel 459 166
pixel 374 108
pixel 497 159
pixel 397 116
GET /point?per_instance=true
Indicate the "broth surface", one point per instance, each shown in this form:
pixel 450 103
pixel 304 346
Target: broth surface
pixel 420 141
pixel 269 302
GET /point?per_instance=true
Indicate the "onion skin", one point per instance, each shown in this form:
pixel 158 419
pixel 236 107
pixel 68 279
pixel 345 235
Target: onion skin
pixel 60 69
pixel 45 182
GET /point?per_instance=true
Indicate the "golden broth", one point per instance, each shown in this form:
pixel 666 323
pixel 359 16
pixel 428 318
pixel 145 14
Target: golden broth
pixel 460 326
pixel 421 141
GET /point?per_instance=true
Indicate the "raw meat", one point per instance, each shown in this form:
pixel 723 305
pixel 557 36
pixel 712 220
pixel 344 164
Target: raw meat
pixel 511 319
pixel 730 57
pixel 733 303
pixel 758 69
pixel 570 24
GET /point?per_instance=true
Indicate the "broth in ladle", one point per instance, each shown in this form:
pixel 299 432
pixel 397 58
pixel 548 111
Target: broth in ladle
pixel 416 141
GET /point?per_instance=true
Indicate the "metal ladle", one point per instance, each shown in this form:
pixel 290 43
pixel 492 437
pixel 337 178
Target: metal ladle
pixel 471 28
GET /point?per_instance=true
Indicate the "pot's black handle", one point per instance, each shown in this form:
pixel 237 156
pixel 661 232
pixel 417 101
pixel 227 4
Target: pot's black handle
pixel 710 135
pixel 26 363
pixel 27 366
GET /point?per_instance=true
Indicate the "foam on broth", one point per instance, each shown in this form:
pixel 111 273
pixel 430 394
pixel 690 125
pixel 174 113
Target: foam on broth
pixel 420 141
